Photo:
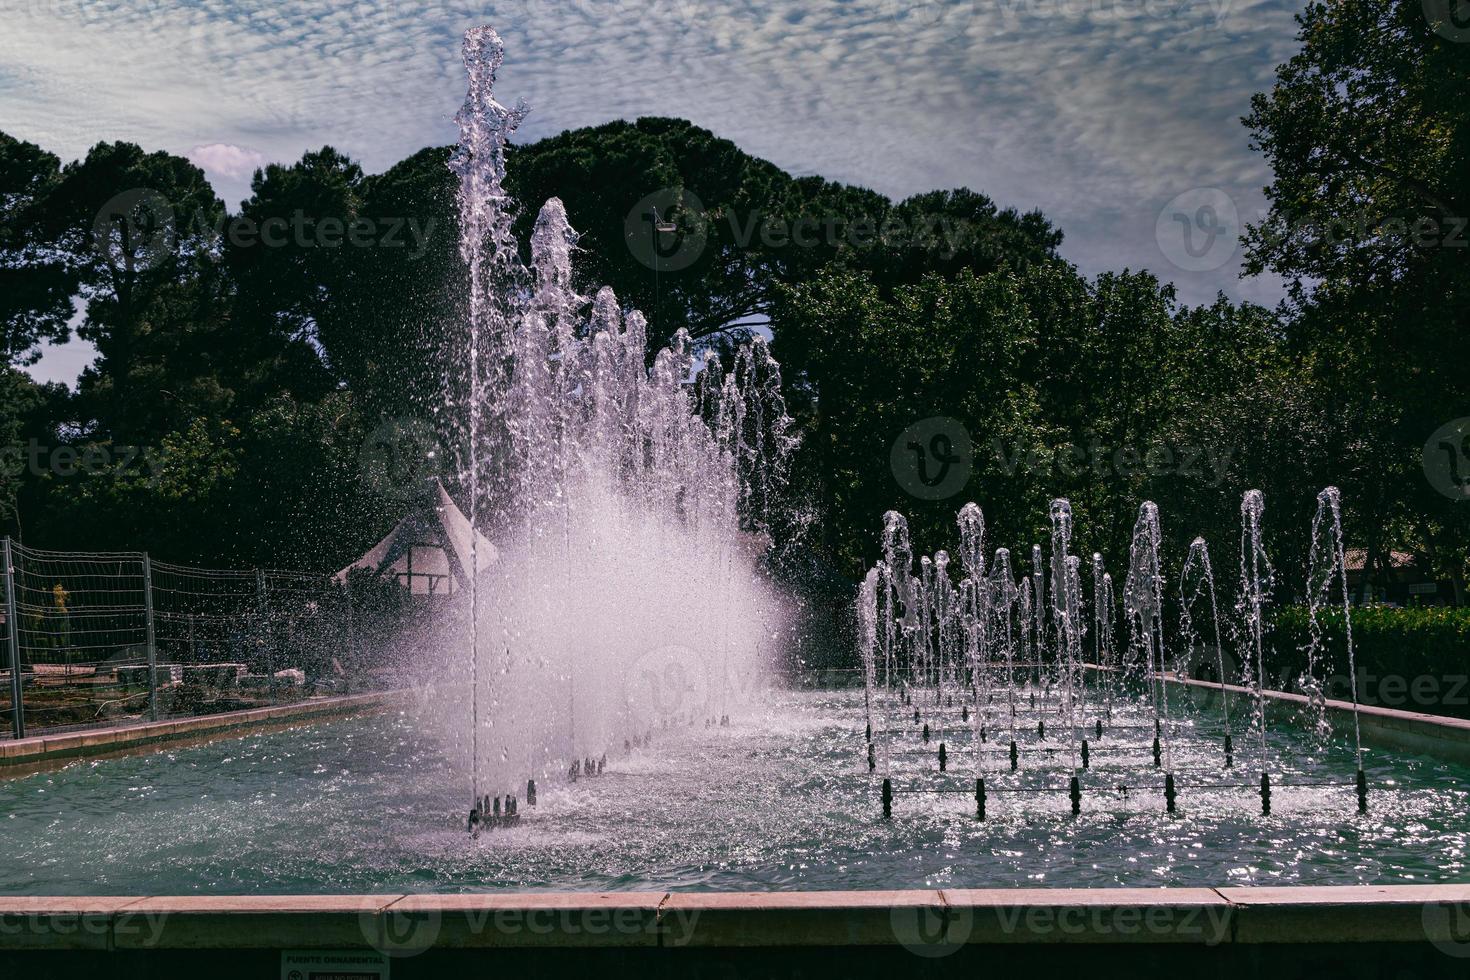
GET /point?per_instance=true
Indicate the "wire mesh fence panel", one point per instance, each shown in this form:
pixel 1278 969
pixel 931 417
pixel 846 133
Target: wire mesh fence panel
pixel 209 636
pixel 107 638
pixel 307 632
pixel 82 632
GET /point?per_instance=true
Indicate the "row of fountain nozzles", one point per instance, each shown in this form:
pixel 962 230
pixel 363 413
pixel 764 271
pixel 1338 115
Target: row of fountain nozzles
pixel 587 767
pixel 489 814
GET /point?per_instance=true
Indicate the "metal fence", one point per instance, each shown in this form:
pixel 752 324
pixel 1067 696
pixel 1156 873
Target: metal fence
pixel 112 637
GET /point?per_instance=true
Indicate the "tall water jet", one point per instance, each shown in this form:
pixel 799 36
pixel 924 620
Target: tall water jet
pixel 1326 566
pixel 615 489
pixel 1143 598
pixel 1196 582
pixel 487 248
pixel 1257 580
pixel 896 583
pixel 976 607
pixel 867 620
pixel 1104 637
pixel 1036 611
pixel 1066 614
pixel 1006 599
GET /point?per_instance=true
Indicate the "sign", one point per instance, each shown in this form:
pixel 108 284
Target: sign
pixel 326 964
pixel 1424 588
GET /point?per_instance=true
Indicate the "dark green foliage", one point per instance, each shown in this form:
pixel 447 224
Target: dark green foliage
pixel 250 356
pixel 1411 659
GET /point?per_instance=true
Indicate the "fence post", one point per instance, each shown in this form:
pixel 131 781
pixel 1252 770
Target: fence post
pixel 12 622
pixel 152 650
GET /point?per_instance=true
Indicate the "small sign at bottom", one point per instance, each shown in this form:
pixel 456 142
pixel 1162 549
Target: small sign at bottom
pixel 326 964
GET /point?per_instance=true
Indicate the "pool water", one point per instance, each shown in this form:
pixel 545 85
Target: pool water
pixel 781 799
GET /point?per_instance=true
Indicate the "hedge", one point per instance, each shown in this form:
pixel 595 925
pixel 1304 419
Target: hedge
pixel 1416 659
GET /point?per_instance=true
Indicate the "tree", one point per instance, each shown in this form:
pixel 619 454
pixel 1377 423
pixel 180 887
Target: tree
pixel 745 226
pixel 136 226
pixel 37 281
pixel 865 368
pixel 1368 135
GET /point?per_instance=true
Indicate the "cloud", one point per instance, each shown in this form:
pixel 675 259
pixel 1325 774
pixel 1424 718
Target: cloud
pixel 227 160
pixel 1099 112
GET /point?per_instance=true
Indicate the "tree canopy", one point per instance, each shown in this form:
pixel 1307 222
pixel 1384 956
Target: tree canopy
pixel 245 359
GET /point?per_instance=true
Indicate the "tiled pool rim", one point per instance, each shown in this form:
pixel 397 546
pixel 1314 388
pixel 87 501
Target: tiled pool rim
pixel 926 920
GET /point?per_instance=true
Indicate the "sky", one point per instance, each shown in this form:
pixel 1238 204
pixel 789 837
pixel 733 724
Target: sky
pixel 1119 119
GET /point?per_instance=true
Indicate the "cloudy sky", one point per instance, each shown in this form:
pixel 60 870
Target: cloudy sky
pixel 1118 118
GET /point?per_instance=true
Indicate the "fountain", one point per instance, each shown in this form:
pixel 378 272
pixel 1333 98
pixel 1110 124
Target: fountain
pixel 630 499
pixel 615 485
pixel 1111 721
pixel 1327 565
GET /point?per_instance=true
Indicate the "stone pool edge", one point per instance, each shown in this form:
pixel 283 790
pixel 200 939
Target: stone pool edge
pixel 921 921
pixel 18 756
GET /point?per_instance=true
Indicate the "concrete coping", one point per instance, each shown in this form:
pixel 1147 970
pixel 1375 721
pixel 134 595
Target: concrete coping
pixel 404 924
